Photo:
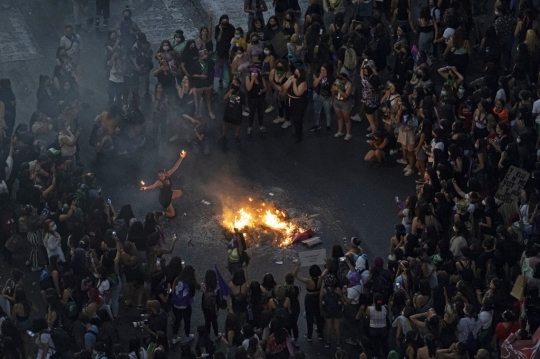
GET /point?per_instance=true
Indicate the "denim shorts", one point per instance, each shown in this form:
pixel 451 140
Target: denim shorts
pixel 344 106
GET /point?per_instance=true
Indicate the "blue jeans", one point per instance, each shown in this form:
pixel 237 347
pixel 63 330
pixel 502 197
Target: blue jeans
pixel 319 103
pixel 115 296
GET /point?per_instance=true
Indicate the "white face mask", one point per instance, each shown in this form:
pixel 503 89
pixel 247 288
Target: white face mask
pixel 267 52
pixel 497 13
pixel 69 128
pixel 477 145
pixel 518 140
pixel 239 56
pixel 96 275
pixel 461 90
pixel 484 203
pixel 237 36
pixel 455 229
pixel 166 48
pixel 54 227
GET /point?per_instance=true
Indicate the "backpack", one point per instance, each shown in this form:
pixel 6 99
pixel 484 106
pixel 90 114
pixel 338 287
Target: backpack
pixel 343 270
pixel 332 304
pixel 46 279
pixel 8 224
pixel 471 343
pixel 467 273
pixel 181 298
pixel 61 340
pixel 351 59
pixel 294 61
pixel 381 286
pixel 120 228
pixel 209 300
pixel 281 313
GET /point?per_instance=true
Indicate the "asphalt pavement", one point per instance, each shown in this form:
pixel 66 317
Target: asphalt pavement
pixel 322 178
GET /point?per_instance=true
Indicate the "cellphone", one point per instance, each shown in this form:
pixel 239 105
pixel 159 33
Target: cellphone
pixel 30 333
pixel 114 233
pixel 342 259
pixel 109 201
pixel 320 31
pixel 170 290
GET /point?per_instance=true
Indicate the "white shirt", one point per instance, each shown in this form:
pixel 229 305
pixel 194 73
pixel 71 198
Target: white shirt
pixel 42 339
pixel 353 293
pixel 245 343
pixel 104 286
pixel 536 110
pixel 486 318
pixel 72 47
pixel 456 243
pixel 447 34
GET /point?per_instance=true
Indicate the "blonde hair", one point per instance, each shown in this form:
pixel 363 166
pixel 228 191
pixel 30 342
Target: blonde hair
pixel 279 291
pixel 531 40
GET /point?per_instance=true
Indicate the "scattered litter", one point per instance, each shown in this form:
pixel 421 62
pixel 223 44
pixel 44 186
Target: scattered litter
pixel 185 214
pixel 206 202
pixel 312 242
pixel 279 262
pixel 314 215
pixel 295 260
pixel 271 194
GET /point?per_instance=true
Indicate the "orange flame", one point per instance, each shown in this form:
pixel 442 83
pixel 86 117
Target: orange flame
pixel 248 217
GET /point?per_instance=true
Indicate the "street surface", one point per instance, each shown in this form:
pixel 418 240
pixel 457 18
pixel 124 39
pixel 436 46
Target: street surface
pixel 322 177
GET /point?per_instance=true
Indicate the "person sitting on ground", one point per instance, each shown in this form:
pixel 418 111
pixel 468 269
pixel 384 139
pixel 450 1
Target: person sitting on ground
pixel 379 144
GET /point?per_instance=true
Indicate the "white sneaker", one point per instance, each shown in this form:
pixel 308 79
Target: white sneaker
pixel 338 134
pixel 269 109
pixel 347 137
pixel 402 161
pixel 211 114
pixel 286 124
pixel 393 152
pixel 279 120
pixel 190 338
pixel 409 172
pixel 356 118
pixel 245 113
pixel 175 340
pixel 407 168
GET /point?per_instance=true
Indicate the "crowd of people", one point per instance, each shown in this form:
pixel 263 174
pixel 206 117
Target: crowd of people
pixel 462 278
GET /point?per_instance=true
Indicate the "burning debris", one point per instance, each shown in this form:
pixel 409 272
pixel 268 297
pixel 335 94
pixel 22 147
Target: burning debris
pixel 264 220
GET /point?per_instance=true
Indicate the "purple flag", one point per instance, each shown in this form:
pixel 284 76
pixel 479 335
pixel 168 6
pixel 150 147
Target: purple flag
pixel 224 289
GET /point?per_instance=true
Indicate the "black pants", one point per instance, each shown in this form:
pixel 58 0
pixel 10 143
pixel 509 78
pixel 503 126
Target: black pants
pixel 293 323
pixel 102 8
pixel 256 105
pixel 298 109
pixel 283 110
pixel 9 119
pixel 313 314
pixel 379 340
pixel 210 320
pixel 180 314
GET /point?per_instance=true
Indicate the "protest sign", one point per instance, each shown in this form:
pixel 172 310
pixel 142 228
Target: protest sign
pixel 512 184
pixel 308 258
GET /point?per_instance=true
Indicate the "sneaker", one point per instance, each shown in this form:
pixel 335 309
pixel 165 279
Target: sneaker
pixel 328 129
pixel 97 23
pixel 262 129
pixel 245 113
pixel 326 344
pixel 250 130
pixel 406 168
pixel 315 128
pixel 409 172
pixel 279 120
pixel 36 269
pixel 339 134
pixel 269 109
pixel 419 181
pixel 105 22
pixel 369 134
pixel 351 342
pixel 175 340
pixel 212 116
pixel 356 118
pixel 402 161
pixel 286 124
pixel 190 338
pixel 393 152
pixel 237 141
pixel 307 338
pixel 338 346
pixel 347 137
pixel 319 337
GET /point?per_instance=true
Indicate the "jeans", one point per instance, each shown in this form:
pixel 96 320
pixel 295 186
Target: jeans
pixel 115 92
pixel 179 314
pixel 283 109
pixel 256 105
pixel 210 320
pixel 379 340
pixel 320 103
pixel 313 314
pixel 506 50
pixel 115 296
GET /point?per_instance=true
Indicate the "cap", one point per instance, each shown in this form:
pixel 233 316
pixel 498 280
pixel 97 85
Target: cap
pixel 378 262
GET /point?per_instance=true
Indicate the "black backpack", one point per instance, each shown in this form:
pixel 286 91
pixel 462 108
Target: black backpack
pixel 281 313
pixel 209 300
pixel 332 304
pixel 381 286
pixel 61 340
pixel 467 273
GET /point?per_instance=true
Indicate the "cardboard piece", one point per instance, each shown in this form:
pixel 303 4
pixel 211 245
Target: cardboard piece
pixel 519 287
pixel 279 42
pixel 312 242
pixel 513 183
pixel 308 258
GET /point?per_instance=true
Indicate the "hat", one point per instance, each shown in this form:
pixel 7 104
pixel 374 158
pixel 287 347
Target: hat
pixel 361 263
pixel 404 264
pixel 355 241
pixel 378 262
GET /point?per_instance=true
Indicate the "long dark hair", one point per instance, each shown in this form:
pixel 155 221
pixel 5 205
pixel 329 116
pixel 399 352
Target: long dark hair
pixel 187 276
pixel 302 77
pixel 210 280
pixel 378 301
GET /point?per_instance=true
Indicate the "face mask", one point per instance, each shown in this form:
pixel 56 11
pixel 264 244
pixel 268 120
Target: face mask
pixel 254 41
pixel 267 52
pixel 296 76
pixel 484 203
pixel 96 275
pixel 358 31
pixel 69 128
pixel 461 90
pixel 497 13
pixel 443 93
pixel 237 36
pixel 274 27
pixel 166 48
pixel 234 87
pixel 54 227
pixel 126 18
pixel 455 229
pixel 476 145
pixel 224 23
pixel 518 140
pixel 239 56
